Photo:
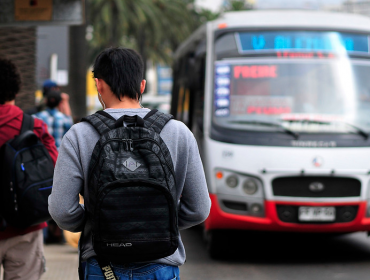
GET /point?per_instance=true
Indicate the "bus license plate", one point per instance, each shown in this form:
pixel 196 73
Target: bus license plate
pixel 316 214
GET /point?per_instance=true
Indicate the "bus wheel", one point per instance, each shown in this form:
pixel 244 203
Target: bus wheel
pixel 216 243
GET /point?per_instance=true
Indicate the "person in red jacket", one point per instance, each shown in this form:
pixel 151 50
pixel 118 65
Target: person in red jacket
pixel 21 250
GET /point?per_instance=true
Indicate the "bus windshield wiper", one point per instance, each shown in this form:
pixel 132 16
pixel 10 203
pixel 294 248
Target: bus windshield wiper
pixel 272 124
pixel 359 130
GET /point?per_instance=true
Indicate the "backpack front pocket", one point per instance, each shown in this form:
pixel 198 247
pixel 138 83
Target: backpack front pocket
pixel 135 218
pixel 33 203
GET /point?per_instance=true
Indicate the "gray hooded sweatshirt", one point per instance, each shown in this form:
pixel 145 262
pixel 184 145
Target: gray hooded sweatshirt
pixel 71 173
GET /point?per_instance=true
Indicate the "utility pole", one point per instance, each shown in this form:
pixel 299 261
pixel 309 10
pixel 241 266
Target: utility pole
pixel 77 71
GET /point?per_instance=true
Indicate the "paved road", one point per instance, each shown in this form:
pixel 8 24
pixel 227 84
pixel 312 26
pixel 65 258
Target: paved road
pixel 259 257
pixel 61 263
pixel 280 257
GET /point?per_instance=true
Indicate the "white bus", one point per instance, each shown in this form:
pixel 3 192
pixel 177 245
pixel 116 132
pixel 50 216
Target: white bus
pixel 279 102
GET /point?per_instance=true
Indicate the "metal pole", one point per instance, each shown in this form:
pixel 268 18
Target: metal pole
pixel 77 71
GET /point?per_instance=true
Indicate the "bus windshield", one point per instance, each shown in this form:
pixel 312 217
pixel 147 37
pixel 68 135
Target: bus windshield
pixel 306 90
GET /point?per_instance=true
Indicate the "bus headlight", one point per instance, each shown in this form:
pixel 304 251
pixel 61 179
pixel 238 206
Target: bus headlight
pixel 232 181
pixel 250 186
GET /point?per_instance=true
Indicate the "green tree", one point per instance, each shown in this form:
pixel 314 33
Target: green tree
pixel 205 15
pixel 238 5
pixel 153 27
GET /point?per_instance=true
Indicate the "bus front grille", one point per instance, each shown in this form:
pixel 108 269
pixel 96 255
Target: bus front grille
pixel 313 186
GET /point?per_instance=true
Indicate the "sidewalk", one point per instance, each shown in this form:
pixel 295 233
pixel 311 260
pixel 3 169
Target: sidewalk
pixel 61 262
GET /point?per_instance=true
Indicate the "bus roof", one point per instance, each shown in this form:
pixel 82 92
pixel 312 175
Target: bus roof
pixel 294 19
pixel 304 19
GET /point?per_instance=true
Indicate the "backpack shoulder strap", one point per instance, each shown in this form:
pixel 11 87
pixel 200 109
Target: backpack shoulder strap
pixel 27 123
pixel 156 120
pixel 101 121
pixel 26 134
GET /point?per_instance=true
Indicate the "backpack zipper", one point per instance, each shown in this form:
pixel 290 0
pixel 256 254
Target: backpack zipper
pixel 125 141
pixel 131 147
pixel 128 143
pixel 35 184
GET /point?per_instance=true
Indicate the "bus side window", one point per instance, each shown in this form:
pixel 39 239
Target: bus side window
pixel 198 91
pixel 188 87
pixel 178 90
pixel 175 90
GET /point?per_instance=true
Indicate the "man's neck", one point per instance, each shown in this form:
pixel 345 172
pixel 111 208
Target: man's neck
pixel 124 103
pixel 12 102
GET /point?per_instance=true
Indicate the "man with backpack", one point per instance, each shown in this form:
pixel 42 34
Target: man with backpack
pixel 21 242
pixel 58 123
pixel 140 174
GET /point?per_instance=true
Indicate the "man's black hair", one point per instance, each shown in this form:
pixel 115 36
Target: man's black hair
pixel 53 98
pixel 10 80
pixel 122 69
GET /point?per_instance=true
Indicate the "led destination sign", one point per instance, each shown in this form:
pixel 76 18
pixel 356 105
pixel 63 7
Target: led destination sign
pixel 302 41
pixel 255 71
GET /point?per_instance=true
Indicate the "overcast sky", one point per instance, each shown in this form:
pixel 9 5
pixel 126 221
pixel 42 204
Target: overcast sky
pixel 216 4
pixel 213 5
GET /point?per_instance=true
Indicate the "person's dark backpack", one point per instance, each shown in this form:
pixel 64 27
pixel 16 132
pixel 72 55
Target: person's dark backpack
pixel 132 201
pixel 26 172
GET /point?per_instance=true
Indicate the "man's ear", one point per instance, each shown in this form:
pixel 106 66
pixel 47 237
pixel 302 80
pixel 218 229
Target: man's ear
pixel 142 86
pixel 99 84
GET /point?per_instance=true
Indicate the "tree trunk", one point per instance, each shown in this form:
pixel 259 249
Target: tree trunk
pixel 141 41
pixel 114 40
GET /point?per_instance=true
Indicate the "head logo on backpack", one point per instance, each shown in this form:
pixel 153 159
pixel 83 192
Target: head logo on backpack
pixel 26 171
pixel 132 192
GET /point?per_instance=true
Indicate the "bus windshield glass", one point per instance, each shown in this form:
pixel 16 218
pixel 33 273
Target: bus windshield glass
pixel 307 82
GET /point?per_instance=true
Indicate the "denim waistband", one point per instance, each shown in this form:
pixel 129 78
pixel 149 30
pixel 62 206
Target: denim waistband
pixel 142 268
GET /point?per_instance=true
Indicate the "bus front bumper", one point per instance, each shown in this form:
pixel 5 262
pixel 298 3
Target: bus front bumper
pixel 219 219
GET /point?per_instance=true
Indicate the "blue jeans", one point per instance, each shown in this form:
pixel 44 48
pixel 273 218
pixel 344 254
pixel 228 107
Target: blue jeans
pixel 148 271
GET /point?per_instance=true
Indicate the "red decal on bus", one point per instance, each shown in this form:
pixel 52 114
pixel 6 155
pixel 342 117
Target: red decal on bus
pixel 268 110
pixel 295 55
pixel 306 55
pixel 255 71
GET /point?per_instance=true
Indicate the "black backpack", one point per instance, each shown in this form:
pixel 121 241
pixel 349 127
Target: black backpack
pixel 26 172
pixel 131 203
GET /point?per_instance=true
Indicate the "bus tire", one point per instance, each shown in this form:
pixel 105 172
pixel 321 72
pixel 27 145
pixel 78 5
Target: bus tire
pixel 216 243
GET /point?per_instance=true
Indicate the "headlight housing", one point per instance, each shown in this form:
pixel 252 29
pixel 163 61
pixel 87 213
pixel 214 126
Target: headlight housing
pixel 367 213
pixel 233 183
pixel 239 194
